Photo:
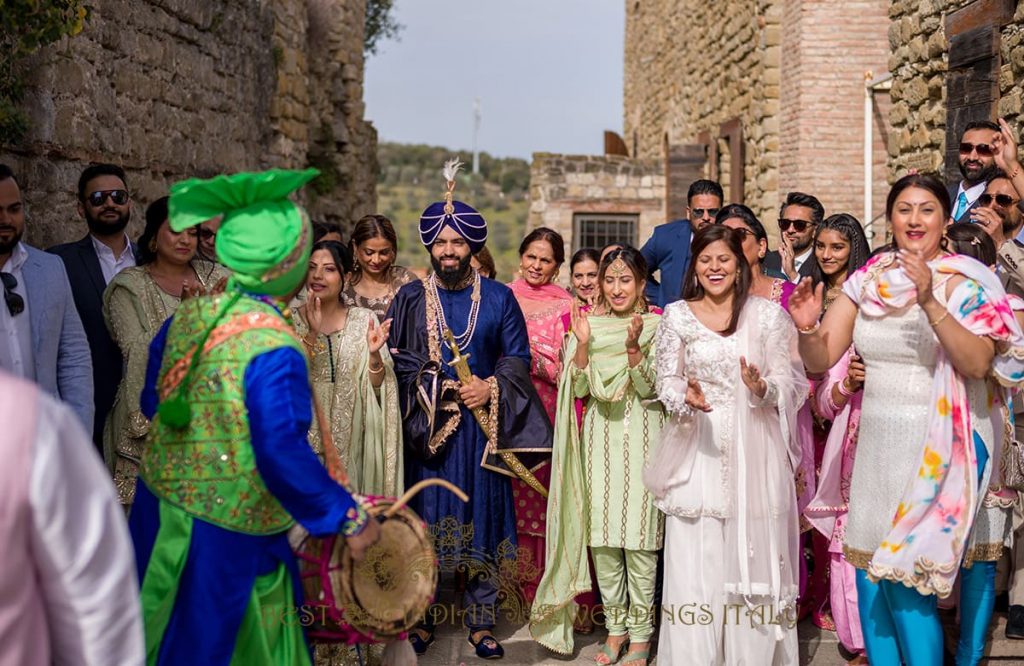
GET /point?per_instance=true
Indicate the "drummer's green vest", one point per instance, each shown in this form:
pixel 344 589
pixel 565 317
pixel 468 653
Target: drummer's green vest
pixel 208 468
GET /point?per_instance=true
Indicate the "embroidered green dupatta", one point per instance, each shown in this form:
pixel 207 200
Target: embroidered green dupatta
pixel 567 575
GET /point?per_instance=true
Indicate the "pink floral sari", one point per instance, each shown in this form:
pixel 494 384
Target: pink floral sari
pixel 543 309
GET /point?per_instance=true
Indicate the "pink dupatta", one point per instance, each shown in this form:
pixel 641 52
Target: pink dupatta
pixel 930 529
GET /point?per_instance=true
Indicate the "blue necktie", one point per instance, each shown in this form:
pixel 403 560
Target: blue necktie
pixel 961 206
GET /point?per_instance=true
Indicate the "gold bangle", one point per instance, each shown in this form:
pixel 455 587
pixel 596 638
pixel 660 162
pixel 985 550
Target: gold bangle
pixel 807 330
pixel 376 371
pixel 938 321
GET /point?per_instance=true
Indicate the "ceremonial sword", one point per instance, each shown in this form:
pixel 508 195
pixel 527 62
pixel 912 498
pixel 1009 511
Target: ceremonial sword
pixel 461 364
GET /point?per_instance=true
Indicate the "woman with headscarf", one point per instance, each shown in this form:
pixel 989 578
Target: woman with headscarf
pixel 931 328
pixel 227 470
pixel 135 304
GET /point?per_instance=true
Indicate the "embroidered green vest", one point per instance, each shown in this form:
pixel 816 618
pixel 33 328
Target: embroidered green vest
pixel 208 468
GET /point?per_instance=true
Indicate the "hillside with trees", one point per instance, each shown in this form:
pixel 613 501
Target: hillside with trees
pixel 410 179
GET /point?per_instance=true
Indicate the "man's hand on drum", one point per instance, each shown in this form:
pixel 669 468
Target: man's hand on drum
pixel 360 543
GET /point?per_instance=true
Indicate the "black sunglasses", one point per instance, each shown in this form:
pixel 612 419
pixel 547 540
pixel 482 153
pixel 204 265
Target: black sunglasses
pixel 799 226
pixel 96 199
pixel 15 303
pixel 697 213
pixel 984 149
pixel 1002 200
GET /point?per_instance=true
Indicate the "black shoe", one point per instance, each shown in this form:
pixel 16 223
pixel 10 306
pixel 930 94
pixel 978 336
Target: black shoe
pixel 420 644
pixel 1015 622
pixel 487 647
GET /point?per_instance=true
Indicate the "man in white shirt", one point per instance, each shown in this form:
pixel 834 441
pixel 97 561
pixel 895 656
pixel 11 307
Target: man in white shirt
pixel 105 204
pixel 799 217
pixel 977 166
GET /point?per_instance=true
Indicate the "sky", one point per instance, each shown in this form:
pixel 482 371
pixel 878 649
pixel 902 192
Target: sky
pixel 548 74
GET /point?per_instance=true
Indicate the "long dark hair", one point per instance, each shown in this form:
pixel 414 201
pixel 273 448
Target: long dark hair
pixel 340 254
pixel 972 241
pixel 745 215
pixel 370 226
pixel 487 263
pixel 850 229
pixel 692 288
pixel 553 238
pixel 156 216
pixel 637 265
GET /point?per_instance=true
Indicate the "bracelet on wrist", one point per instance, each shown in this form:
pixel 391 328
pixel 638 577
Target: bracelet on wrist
pixel 807 330
pixel 376 371
pixel 632 350
pixel 938 321
pixel 1016 170
pixel 844 389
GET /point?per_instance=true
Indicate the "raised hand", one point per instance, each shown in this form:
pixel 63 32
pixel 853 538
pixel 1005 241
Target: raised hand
pixel 314 316
pixel 636 327
pixel 191 290
pixel 805 303
pixel 377 336
pixel 916 269
pixel 1005 148
pixel 751 376
pixel 580 324
pixel 219 286
pixel 695 396
pixel 990 221
pixel 788 257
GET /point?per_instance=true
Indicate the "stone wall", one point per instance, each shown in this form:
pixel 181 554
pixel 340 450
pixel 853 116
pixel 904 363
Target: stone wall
pixel 171 89
pixel 563 185
pixel 919 59
pixel 691 66
pixel 790 71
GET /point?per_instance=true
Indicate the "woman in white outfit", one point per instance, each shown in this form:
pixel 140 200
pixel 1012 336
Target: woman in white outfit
pixel 729 377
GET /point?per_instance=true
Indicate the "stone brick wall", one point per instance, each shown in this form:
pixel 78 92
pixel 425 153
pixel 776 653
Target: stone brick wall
pixel 691 66
pixel 791 71
pixel 178 88
pixel 562 185
pixel 918 62
pixel 825 54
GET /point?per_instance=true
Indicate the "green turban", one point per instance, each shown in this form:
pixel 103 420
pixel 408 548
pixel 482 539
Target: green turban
pixel 264 239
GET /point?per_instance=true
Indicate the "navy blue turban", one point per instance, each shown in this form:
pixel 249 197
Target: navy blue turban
pixel 464 219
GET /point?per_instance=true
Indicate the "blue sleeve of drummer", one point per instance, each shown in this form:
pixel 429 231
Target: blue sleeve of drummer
pixel 279 401
pixel 149 400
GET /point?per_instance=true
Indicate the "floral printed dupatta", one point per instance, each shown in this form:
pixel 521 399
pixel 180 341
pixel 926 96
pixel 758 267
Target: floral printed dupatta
pixel 930 529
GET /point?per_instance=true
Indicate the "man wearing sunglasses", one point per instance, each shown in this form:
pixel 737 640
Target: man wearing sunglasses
pixel 799 216
pixel 41 336
pixel 977 166
pixel 92 262
pixel 668 248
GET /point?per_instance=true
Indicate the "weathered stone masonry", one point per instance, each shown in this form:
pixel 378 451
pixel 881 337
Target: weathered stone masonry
pixel 172 89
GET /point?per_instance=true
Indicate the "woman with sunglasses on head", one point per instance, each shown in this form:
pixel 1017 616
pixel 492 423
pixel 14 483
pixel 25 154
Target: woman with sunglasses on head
pixel 376 279
pixel 776 288
pixel 930 327
pixel 730 380
pixel 840 249
pixel 597 497
pixel 136 303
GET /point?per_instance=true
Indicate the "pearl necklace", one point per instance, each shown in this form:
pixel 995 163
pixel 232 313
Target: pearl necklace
pixel 466 337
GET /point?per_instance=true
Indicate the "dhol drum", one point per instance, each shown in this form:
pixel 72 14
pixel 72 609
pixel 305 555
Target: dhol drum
pixel 382 596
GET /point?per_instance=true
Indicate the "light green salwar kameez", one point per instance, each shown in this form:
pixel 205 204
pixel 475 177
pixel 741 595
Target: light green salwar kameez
pixel 597 496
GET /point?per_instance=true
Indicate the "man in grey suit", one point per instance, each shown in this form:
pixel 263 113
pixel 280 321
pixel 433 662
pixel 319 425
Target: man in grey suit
pixel 41 336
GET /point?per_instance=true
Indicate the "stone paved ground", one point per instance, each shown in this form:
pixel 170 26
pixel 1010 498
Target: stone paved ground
pixel 817 648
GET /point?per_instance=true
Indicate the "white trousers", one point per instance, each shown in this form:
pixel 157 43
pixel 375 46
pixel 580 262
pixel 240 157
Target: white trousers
pixel 700 624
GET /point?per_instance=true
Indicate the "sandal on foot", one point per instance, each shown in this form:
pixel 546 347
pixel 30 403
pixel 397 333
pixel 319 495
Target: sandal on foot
pixel 637 656
pixel 420 644
pixel 487 647
pixel 607 652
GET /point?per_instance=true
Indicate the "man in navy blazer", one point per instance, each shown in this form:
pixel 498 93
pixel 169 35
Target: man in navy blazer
pixel 668 248
pixel 91 263
pixel 41 336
